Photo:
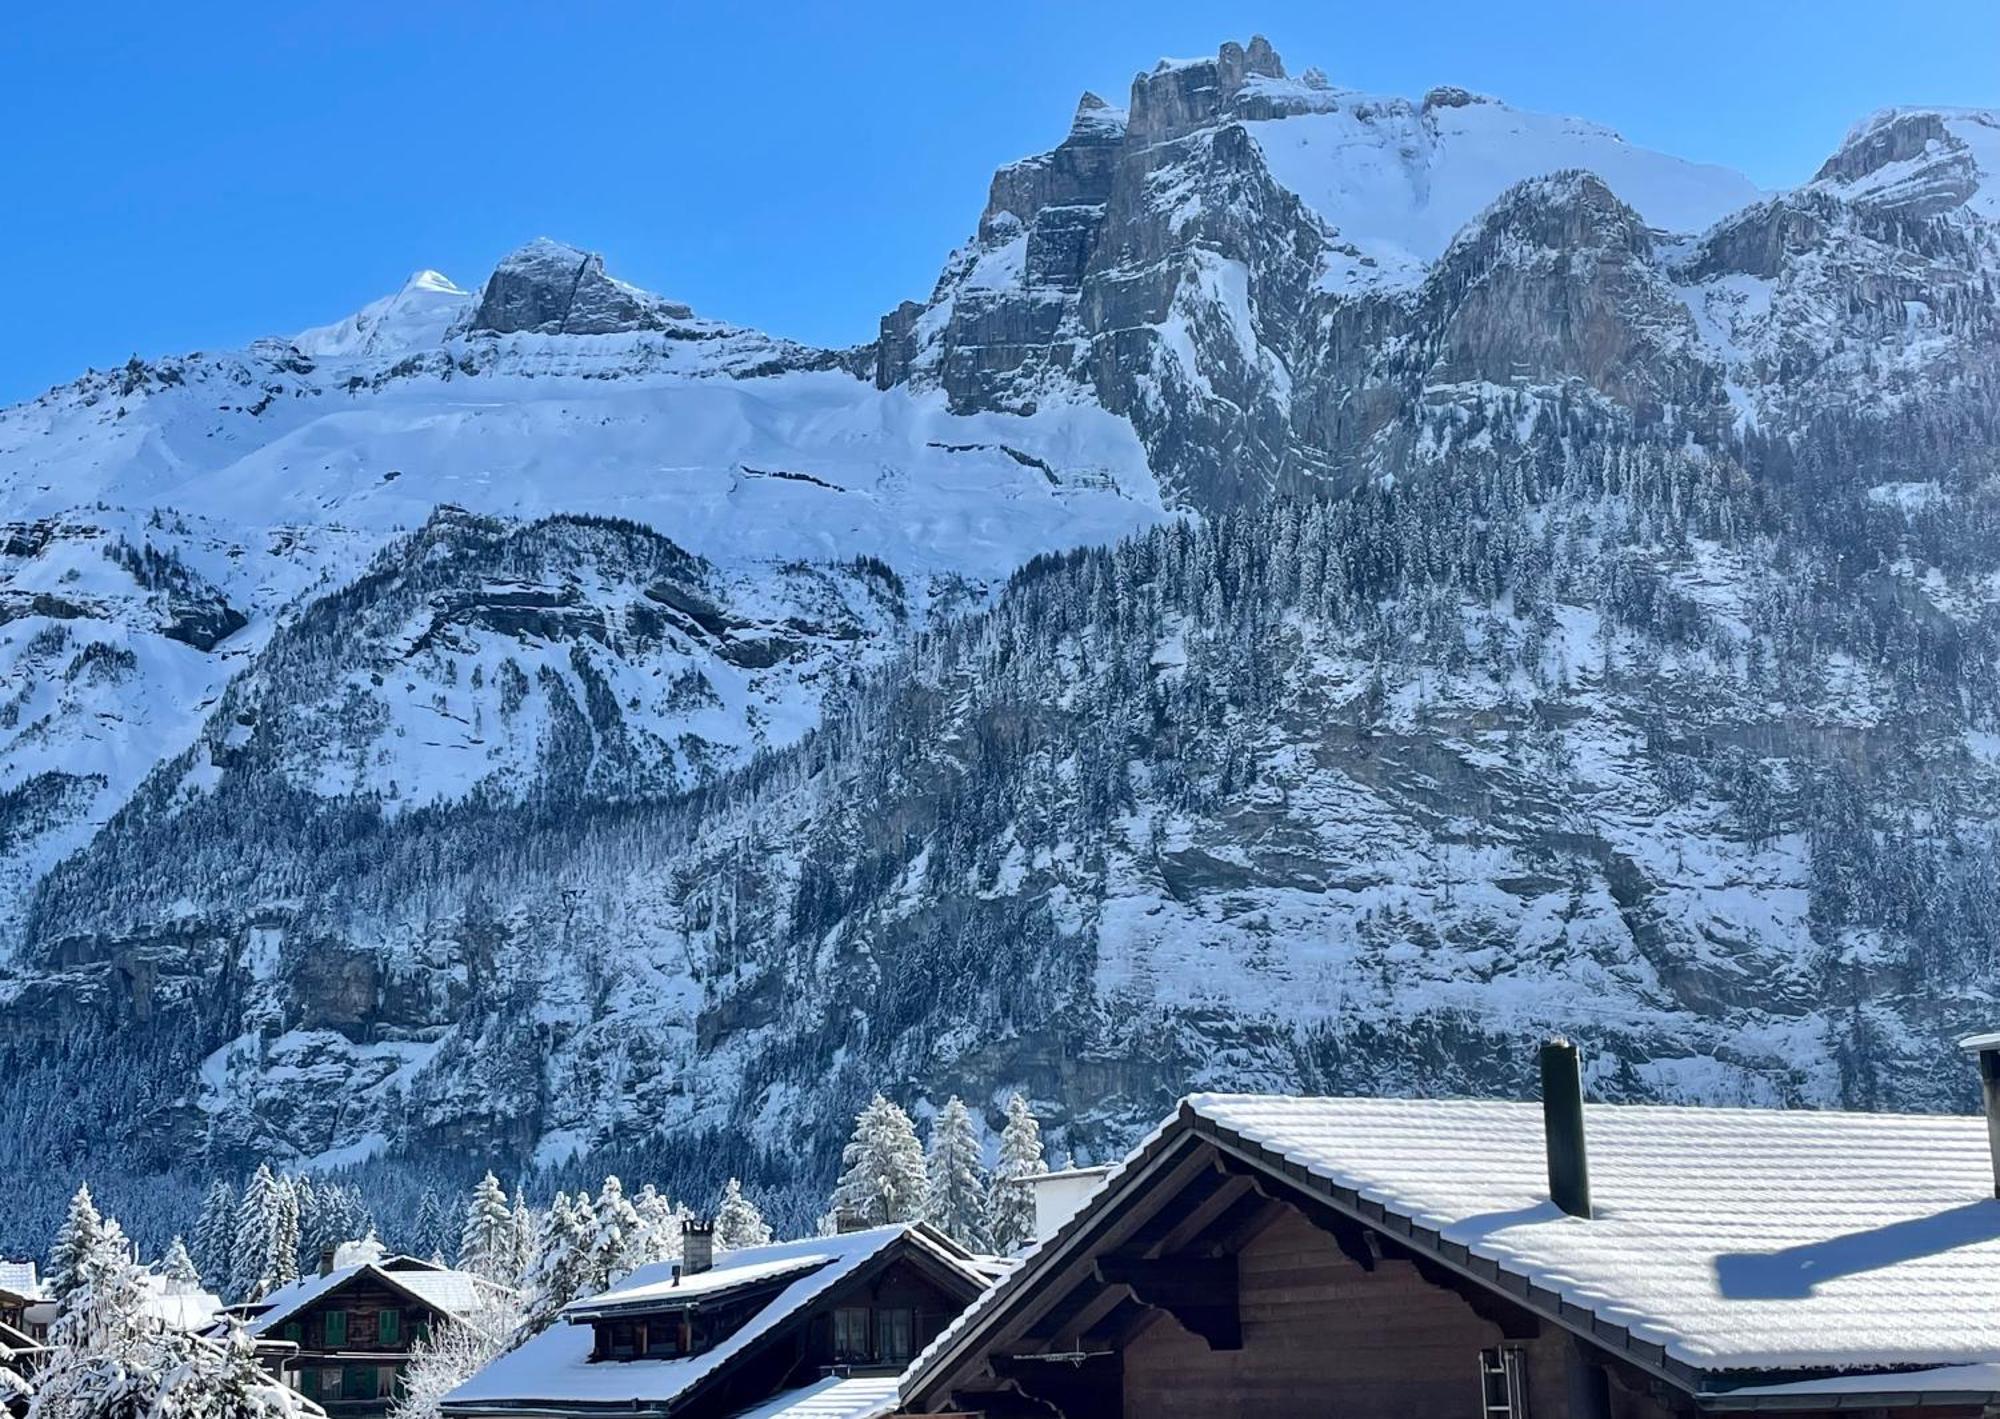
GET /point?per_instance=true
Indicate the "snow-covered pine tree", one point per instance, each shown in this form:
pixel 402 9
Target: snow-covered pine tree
pixel 738 1222
pixel 253 1256
pixel 486 1243
pixel 955 1196
pixel 1011 1214
pixel 106 1357
pixel 881 1168
pixel 428 1237
pixel 660 1222
pixel 527 1226
pixel 612 1237
pixel 555 1276
pixel 215 1234
pixel 77 1241
pixel 222 1379
pixel 285 1237
pixel 178 1267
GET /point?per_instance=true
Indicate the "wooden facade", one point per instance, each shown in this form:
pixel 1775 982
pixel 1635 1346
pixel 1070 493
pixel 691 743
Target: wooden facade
pixel 1216 1280
pixel 353 1344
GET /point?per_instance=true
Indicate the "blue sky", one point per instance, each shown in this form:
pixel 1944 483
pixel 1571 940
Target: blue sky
pixel 192 176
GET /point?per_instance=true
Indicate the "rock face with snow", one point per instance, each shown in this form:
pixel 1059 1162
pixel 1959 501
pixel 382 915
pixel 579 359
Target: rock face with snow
pixel 546 719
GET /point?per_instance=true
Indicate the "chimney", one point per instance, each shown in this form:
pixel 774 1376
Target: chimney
pixel 847 1220
pixel 326 1255
pixel 697 1247
pixel 1986 1049
pixel 1562 1127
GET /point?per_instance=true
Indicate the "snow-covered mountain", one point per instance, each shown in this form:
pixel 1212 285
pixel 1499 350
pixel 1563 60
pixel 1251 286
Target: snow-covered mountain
pixel 541 719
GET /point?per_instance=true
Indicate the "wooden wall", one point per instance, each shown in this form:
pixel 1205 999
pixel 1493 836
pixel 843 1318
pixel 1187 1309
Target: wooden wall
pixel 1322 1336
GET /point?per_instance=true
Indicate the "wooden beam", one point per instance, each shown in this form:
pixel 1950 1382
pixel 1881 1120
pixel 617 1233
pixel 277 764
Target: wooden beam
pixel 1203 1217
pixel 1199 1292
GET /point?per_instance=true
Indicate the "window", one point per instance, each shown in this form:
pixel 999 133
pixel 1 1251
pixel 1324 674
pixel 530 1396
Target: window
pixel 850 1334
pixel 1503 1383
pixel 897 1328
pixel 663 1339
pixel 336 1329
pixel 389 1326
pixel 291 1330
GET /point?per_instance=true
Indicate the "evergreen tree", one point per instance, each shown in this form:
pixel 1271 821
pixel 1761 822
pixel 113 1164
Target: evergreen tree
pixel 215 1234
pixel 955 1196
pixel 427 1238
pixel 881 1168
pixel 285 1235
pixel 738 1223
pixel 556 1276
pixel 486 1244
pixel 527 1225
pixel 178 1267
pixel 659 1226
pixel 611 1239
pixel 1011 1214
pixel 259 1221
pixel 77 1243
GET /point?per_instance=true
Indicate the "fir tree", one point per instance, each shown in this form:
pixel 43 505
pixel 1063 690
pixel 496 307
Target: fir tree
pixel 259 1222
pixel 427 1238
pixel 881 1168
pixel 178 1267
pixel 955 1197
pixel 738 1223
pixel 285 1235
pixel 215 1234
pixel 659 1226
pixel 486 1245
pixel 77 1243
pixel 1011 1214
pixel 611 1238
pixel 555 1277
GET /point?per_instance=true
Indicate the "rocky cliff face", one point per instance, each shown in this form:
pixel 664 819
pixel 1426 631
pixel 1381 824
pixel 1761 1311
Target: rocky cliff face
pixel 1584 618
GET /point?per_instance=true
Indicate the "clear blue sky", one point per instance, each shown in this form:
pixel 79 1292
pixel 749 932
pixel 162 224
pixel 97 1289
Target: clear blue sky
pixel 194 175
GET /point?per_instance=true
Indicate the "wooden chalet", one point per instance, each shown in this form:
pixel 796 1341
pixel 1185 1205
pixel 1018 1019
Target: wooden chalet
pixel 821 1326
pixel 1396 1259
pixel 21 1293
pixel 342 1337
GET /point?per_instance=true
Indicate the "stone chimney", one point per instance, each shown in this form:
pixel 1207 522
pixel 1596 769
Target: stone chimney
pixel 1986 1050
pixel 697 1247
pixel 1562 1127
pixel 846 1220
pixel 326 1255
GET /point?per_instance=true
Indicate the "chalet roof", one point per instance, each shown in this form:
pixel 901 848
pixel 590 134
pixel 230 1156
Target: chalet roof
pixel 18 1278
pixel 179 1306
pixel 454 1293
pixel 859 1398
pixel 676 1292
pixel 555 1367
pixel 1734 1243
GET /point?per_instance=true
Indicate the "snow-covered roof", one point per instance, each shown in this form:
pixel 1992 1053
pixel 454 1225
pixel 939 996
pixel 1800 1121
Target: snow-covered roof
pixel 18 1278
pixel 1736 1240
pixel 454 1293
pixel 179 1306
pixel 555 1367
pixel 865 1398
pixel 647 1289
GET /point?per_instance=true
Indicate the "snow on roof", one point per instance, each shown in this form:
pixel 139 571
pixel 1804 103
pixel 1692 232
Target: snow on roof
pixel 178 1306
pixel 831 1399
pixel 556 1365
pixel 1734 1238
pixel 452 1292
pixel 646 1287
pixel 18 1278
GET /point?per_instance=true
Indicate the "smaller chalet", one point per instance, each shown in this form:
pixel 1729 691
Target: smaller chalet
pixel 1392 1258
pixel 819 1327
pixel 342 1337
pixel 22 1334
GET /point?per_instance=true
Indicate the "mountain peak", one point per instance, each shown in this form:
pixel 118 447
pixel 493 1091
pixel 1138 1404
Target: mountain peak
pixel 549 287
pixel 1920 161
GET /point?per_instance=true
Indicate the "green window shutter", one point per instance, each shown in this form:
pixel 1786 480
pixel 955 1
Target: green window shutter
pixel 336 1329
pixel 292 1331
pixel 309 1383
pixel 389 1326
pixel 358 1382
